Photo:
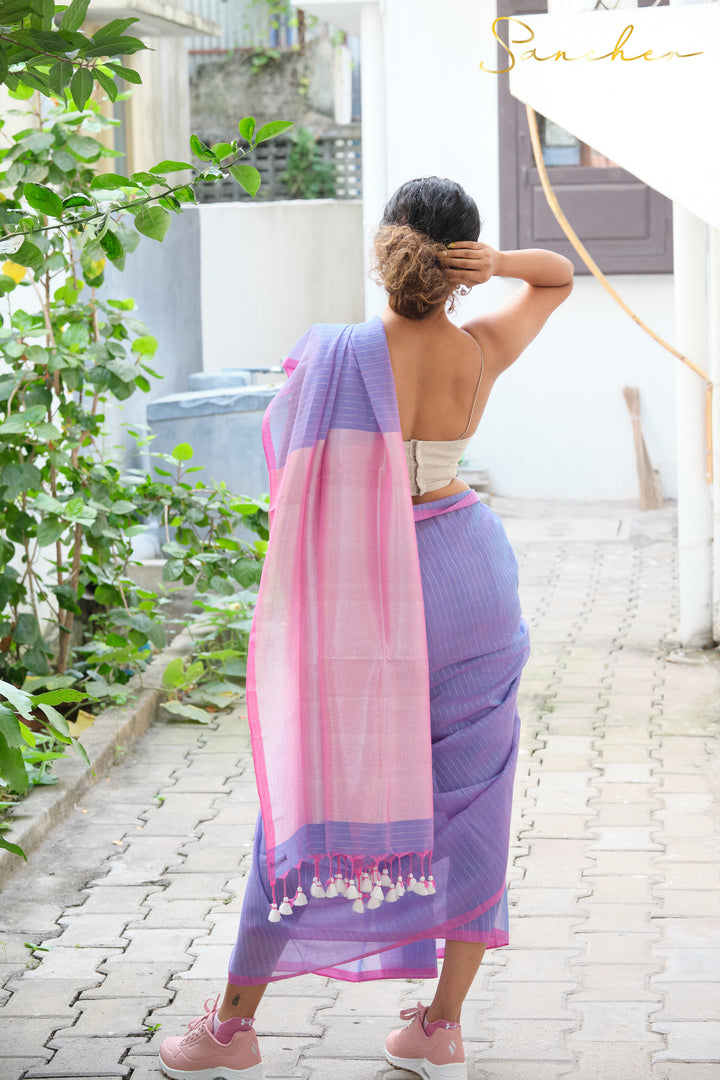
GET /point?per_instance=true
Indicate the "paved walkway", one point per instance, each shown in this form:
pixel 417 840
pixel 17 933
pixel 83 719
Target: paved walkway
pixel 615 865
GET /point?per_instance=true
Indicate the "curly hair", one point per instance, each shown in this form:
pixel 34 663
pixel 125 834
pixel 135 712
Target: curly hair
pixel 419 220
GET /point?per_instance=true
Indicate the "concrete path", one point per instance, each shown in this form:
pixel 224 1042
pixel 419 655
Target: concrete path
pixel 614 968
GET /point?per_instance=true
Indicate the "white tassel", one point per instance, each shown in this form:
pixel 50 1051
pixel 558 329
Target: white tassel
pixel 365 885
pixel 373 902
pixel 412 883
pixel 359 906
pixel 300 897
pixel 391 895
pixel 400 888
pixel 316 888
pixel 351 893
pixel 285 907
pixel 339 885
pixel 331 891
pixel 420 887
pixel 385 879
pixel 274 915
pixel 377 894
pixel 430 887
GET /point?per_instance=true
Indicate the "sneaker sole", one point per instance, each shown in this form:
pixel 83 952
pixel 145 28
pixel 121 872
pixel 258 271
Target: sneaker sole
pixel 222 1072
pixel 428 1071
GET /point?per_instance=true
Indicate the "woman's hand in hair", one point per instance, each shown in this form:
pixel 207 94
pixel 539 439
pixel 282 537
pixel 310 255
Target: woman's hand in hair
pixel 468 262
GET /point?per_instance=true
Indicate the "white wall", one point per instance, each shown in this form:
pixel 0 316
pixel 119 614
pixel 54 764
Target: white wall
pixel 557 425
pixel 269 270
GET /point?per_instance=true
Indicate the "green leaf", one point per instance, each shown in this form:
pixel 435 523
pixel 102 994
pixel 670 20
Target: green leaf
pixel 152 221
pixel 269 131
pixel 107 84
pixel 221 150
pixel 13 769
pixel 74 16
pixel 25 632
pixel 246 127
pixel 49 530
pixel 145 346
pixel 113 29
pixel 247 177
pixel 83 147
pixel 112 245
pixel 57 697
pixel 200 150
pixel 111 181
pixel 170 166
pixel 43 199
pixel 29 255
pixel 188 712
pixel 12 730
pixel 81 87
pixel 77 200
pixel 246 572
pixel 18 478
pixel 19 699
pixel 182 452
pixel 174 674
pixel 115 46
pixel 128 74
pixel 59 76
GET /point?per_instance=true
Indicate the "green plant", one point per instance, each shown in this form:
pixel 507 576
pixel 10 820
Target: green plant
pixel 308 174
pixel 30 729
pixel 261 56
pixel 38 55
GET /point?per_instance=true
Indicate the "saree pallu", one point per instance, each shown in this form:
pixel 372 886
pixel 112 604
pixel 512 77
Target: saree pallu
pixel 477 643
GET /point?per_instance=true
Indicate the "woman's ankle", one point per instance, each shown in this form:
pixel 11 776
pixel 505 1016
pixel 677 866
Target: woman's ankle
pixel 442 1011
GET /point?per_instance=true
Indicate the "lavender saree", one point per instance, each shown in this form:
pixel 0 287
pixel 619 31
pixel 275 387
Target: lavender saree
pixel 384 661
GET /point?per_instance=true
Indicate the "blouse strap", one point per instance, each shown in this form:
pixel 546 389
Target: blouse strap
pixel 477 390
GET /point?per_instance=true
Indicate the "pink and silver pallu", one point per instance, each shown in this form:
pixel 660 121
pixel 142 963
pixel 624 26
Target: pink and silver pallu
pixel 383 669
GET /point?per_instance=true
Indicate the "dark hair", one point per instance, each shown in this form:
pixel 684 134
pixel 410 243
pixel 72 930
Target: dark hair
pixel 420 219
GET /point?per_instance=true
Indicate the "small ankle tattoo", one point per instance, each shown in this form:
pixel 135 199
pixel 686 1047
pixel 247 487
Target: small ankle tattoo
pixel 236 999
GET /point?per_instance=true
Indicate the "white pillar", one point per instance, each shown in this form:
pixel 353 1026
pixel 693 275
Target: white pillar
pixel 694 493
pixel 374 138
pixel 714 372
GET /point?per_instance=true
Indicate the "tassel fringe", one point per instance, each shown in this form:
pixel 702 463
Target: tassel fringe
pixel 358 886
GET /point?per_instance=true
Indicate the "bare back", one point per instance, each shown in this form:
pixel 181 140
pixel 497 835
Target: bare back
pixel 436 367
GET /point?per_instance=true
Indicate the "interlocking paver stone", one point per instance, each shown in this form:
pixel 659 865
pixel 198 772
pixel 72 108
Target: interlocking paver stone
pixel 614 866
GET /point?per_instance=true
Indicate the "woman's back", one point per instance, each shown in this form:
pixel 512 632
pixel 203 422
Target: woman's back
pixel 436 368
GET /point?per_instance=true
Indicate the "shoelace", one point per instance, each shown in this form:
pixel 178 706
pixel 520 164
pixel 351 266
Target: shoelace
pixel 198 1023
pixel 410 1014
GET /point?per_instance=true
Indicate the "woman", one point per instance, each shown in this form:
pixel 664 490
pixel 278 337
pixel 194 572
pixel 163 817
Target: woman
pixel 386 650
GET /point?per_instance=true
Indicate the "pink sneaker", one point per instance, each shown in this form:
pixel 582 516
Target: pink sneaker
pixel 199 1055
pixel 438 1056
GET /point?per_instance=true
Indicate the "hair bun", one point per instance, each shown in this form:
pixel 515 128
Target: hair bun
pixel 406 263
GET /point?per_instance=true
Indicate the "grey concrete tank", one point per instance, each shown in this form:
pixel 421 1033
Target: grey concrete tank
pixel 223 426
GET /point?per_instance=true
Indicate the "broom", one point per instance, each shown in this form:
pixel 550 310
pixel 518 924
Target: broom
pixel 651 497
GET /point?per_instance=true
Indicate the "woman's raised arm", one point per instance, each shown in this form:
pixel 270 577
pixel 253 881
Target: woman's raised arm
pixel 506 332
